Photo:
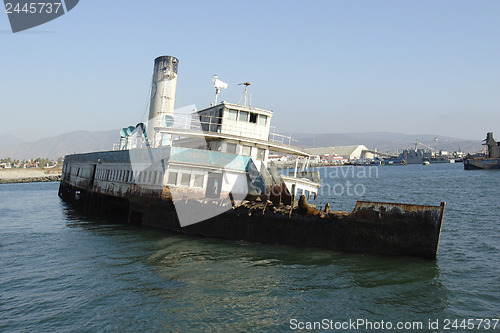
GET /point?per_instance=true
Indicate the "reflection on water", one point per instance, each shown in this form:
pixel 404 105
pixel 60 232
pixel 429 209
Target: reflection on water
pixel 270 284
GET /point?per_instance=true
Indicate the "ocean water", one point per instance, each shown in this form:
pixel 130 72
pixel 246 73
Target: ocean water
pixel 62 272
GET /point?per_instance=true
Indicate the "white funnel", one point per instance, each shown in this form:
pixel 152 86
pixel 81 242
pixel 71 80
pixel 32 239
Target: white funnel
pixel 162 95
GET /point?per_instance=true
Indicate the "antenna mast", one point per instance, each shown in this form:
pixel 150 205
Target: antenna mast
pixel 246 84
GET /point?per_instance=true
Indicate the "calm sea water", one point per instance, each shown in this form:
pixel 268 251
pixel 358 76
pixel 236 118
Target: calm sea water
pixel 61 272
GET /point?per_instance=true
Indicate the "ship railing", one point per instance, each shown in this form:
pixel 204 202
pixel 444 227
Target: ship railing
pixel 211 123
pixel 280 138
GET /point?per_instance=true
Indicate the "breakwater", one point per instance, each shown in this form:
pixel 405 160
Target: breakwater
pixel 15 175
pixel 48 178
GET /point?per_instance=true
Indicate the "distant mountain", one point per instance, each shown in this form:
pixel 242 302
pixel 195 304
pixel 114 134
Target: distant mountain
pixel 386 142
pixel 60 145
pixel 8 140
pixel 85 141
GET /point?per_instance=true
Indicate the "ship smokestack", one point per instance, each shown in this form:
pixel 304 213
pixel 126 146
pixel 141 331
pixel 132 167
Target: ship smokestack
pixel 162 95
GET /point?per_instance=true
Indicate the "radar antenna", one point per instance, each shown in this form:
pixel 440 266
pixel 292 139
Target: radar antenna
pixel 218 84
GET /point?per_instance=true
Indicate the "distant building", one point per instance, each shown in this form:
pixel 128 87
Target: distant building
pixel 278 157
pixel 349 153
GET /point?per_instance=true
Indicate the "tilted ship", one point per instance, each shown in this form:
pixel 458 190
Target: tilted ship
pixel 490 161
pixel 206 172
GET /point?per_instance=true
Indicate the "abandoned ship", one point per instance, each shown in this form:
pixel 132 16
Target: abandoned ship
pixel 206 172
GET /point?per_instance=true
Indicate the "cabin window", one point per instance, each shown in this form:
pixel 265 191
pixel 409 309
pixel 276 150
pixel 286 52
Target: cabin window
pixel 150 179
pixel 243 116
pixel 231 148
pixel 198 181
pixel 261 154
pixel 246 150
pixel 233 114
pixel 160 177
pixel 185 179
pixel 262 120
pixel 78 172
pixel 127 179
pixel 172 178
pixel 253 118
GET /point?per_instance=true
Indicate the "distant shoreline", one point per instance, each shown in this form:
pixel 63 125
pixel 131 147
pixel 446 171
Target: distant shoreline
pixel 32 175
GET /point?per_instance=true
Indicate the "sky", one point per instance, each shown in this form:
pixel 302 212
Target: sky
pixel 413 67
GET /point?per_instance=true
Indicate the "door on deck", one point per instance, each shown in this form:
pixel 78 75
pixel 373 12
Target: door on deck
pixel 92 176
pixel 214 185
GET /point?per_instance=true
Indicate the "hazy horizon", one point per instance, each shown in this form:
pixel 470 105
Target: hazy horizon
pixel 323 67
pixel 293 134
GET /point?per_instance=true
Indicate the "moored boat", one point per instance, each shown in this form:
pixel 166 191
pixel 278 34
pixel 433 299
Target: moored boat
pixel 490 161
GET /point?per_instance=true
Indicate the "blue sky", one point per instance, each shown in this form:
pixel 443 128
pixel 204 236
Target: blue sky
pixel 430 67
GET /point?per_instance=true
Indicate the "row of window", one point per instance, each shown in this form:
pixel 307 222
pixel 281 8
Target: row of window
pixel 185 179
pixel 245 116
pixel 153 177
pixel 127 176
pixel 231 148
